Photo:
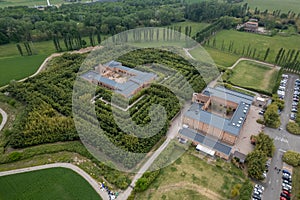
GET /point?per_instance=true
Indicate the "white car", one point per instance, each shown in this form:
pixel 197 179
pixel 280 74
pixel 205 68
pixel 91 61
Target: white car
pixel 286 185
pixel 260 186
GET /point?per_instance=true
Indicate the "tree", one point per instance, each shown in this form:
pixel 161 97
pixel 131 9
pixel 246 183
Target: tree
pixel 265 144
pixel 256 161
pixel 267 53
pixel 271 116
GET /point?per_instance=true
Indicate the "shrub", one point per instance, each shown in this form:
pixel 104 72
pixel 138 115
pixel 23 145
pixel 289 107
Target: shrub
pixel 293 128
pixel 292 158
pixel 260 121
pixel 144 182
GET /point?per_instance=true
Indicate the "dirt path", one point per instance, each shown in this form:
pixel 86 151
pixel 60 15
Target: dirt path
pixel 86 176
pixel 186 185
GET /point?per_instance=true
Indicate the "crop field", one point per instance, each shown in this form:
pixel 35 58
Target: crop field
pixel 190 177
pixel 30 3
pixel 271 5
pixel 253 75
pixel 242 40
pixel 196 26
pixel 55 183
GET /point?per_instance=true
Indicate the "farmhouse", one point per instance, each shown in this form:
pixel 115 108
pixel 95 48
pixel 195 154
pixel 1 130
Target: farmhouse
pixel 123 80
pixel 216 118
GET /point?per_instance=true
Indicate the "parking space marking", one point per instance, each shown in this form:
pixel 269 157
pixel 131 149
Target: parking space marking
pixel 281 139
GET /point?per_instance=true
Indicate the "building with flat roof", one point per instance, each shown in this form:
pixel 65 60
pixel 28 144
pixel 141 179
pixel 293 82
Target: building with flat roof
pixel 123 80
pixel 216 114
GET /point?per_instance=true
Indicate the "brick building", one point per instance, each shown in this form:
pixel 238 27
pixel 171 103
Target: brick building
pixel 216 126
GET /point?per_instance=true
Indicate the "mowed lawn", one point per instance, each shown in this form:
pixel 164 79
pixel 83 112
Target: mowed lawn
pixel 18 67
pixel 48 184
pixel 221 59
pixel 190 177
pixel 260 42
pixel 271 5
pixel 253 75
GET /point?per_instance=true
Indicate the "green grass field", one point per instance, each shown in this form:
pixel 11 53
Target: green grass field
pixel 260 42
pixel 30 3
pixel 55 183
pixel 253 75
pixel 190 177
pixel 271 5
pixel 196 26
pixel 221 59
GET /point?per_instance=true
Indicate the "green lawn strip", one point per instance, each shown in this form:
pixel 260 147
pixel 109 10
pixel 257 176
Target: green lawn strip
pixel 259 42
pixel 119 179
pixel 253 75
pixel 55 183
pixel 296 183
pixel 219 177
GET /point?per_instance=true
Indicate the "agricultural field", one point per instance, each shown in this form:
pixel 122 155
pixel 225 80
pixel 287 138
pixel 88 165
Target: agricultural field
pixel 192 177
pixel 271 5
pixel 255 42
pixel 221 59
pixel 249 74
pixel 52 183
pixel 196 26
pixel 30 3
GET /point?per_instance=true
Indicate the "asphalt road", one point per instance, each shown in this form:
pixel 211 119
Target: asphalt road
pixel 283 141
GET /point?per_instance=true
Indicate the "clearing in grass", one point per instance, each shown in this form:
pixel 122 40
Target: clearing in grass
pixel 54 183
pixel 250 74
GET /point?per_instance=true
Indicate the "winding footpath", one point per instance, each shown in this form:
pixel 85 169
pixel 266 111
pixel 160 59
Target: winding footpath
pixel 4 119
pixel 76 169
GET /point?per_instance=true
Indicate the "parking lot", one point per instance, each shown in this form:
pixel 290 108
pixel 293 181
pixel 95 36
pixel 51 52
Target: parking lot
pixel 251 127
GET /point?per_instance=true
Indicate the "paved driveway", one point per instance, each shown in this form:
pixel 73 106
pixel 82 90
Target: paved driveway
pixel 283 141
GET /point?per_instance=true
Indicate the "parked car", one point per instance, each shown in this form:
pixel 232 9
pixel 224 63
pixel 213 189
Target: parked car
pixel 295 103
pixel 286 192
pixel 284 185
pixel 285 196
pixel 260 186
pixel 284 171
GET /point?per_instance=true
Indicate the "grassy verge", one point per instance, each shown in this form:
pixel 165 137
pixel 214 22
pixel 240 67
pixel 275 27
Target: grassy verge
pixel 249 74
pixel 63 152
pixel 55 183
pixel 296 183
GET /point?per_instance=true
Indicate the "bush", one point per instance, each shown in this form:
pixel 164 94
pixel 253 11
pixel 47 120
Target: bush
pixel 144 182
pixel 260 121
pixel 293 128
pixel 292 158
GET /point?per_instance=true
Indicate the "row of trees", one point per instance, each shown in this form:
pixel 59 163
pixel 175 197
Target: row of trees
pixel 256 160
